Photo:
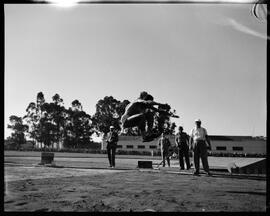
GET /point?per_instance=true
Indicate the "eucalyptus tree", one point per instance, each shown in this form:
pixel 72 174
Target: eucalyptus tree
pixel 108 112
pixel 19 129
pixel 41 120
pixel 78 127
pixel 33 116
pixel 32 120
pixel 58 113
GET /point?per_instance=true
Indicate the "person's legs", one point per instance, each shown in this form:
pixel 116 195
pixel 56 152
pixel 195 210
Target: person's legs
pixel 186 155
pixel 204 157
pixel 109 155
pixel 113 156
pixel 135 120
pixel 196 158
pixel 187 160
pixel 180 155
pixel 149 116
pixel 168 160
pixel 148 135
pixel 150 122
pixel 163 155
pixel 138 120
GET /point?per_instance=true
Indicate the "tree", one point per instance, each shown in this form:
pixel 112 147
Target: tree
pixel 76 105
pixel 58 113
pixel 32 120
pixel 39 117
pixel 33 116
pixel 46 131
pixel 78 127
pixel 108 112
pixel 169 128
pixel 52 123
pixel 57 99
pixel 39 102
pixel 19 129
pixel 162 122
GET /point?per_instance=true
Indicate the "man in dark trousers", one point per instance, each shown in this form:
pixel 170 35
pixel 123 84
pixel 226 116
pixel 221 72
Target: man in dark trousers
pixel 111 146
pixel 199 142
pixel 182 142
pixel 164 144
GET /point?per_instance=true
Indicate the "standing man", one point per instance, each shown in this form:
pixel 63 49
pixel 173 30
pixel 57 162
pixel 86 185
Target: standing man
pixel 182 142
pixel 164 144
pixel 111 145
pixel 197 141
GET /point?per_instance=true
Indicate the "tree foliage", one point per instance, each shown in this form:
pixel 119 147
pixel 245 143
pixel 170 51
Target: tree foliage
pixel 108 112
pixel 19 129
pixel 78 128
pixel 163 123
pixel 51 122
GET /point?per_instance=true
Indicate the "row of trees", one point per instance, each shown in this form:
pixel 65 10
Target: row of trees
pixel 50 122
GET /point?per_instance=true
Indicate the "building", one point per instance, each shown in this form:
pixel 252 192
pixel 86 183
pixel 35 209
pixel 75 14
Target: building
pixel 238 144
pixel 220 144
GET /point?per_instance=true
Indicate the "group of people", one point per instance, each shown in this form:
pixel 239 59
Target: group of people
pixel 140 113
pixel 198 141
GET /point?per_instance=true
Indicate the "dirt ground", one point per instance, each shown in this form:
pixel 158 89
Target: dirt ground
pixel 29 187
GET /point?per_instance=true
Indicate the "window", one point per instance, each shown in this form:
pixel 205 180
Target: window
pixel 152 147
pixel 119 146
pixel 130 146
pixel 237 148
pixel 222 148
pixel 141 146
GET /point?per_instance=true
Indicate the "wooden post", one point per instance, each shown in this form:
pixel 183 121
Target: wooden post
pixel 47 157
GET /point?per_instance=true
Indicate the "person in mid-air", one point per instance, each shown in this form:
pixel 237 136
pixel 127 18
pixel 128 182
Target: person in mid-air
pixel 141 113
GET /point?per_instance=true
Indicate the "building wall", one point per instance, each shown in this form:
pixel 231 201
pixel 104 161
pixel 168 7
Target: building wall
pixel 244 146
pixel 125 143
pixel 224 144
pixel 54 145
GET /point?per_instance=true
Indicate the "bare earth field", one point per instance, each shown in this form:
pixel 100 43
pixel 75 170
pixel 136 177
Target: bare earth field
pixel 86 184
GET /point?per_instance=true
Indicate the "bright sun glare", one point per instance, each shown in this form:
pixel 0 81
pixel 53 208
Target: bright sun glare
pixel 64 3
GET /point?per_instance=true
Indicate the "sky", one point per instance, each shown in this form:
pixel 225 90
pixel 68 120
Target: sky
pixel 207 61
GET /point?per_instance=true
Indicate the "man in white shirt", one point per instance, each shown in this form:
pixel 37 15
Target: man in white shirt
pixel 197 142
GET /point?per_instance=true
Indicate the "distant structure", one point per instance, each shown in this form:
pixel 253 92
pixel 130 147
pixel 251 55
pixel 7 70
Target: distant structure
pixel 220 144
pixel 57 146
pixel 238 144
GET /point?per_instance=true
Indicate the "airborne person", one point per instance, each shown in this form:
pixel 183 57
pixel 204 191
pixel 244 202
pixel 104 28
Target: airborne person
pixel 141 113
